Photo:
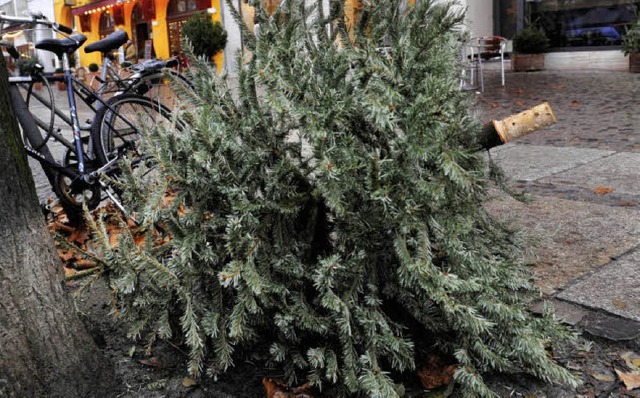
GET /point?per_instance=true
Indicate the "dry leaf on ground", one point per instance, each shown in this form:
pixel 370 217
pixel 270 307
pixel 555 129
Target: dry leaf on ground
pixel 602 190
pixel 153 361
pixel 604 377
pixel 278 389
pixel 631 380
pixel 619 303
pixel 189 382
pixel 435 373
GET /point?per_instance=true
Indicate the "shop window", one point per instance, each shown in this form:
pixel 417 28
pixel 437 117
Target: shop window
pixel 107 25
pixel 583 23
pixel 140 28
pixel 178 11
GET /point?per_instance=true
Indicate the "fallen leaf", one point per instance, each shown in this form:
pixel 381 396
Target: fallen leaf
pixel 604 377
pixel 113 237
pixel 131 223
pixel 83 263
pixel 80 236
pixel 182 210
pixel 66 255
pixel 69 272
pixel 519 103
pixel 575 103
pixel 153 361
pixel 627 203
pixel 631 380
pixel 59 226
pixel 619 303
pixel 278 389
pixel 189 382
pixel 435 373
pixel 274 388
pixel 494 105
pixel 558 87
pixel 631 359
pixel 602 190
pixel 168 199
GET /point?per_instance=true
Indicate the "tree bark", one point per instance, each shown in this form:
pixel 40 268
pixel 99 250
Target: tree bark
pixel 44 347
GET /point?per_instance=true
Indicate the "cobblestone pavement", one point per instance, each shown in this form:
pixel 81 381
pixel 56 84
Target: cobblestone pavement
pixel 587 242
pixel 594 109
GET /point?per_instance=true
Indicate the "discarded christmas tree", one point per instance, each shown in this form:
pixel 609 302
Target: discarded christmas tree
pixel 327 217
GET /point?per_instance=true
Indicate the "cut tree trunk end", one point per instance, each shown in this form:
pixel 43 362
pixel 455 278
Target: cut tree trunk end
pixel 500 132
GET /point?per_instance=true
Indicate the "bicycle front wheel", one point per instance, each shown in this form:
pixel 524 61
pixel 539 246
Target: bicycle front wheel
pixel 120 126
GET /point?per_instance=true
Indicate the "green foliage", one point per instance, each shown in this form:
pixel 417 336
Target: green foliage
pixel 631 39
pixel 530 40
pixel 206 37
pixel 325 216
pixel 26 65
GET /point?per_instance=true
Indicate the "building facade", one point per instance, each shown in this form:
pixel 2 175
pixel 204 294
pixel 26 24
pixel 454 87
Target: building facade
pixel 583 33
pixel 154 26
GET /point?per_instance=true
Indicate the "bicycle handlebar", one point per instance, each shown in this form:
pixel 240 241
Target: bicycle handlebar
pixel 35 18
pixel 154 65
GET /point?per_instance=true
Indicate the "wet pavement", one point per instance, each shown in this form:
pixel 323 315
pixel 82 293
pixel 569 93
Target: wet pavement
pixel 582 176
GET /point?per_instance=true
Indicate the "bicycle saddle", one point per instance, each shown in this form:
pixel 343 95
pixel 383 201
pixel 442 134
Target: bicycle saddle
pixel 61 46
pixel 109 43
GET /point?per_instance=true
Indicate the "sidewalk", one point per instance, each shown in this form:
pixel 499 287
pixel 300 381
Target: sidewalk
pixel 583 176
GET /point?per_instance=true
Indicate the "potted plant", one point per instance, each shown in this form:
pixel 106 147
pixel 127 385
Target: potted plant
pixel 207 37
pixel 93 72
pixel 529 46
pixel 631 46
pixel 26 65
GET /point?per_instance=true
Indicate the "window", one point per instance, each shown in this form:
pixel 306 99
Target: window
pixel 106 24
pixel 178 11
pixel 583 23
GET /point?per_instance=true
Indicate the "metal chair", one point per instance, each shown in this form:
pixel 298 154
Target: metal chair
pixel 470 69
pixel 487 48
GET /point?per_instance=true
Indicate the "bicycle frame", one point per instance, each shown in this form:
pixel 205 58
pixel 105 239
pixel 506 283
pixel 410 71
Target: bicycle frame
pixel 76 146
pixel 76 172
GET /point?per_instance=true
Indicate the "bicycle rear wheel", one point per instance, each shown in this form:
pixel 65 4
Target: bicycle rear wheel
pixel 165 87
pixel 41 105
pixel 120 126
pixel 121 130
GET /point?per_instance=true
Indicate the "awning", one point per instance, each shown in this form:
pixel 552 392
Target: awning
pixel 98 6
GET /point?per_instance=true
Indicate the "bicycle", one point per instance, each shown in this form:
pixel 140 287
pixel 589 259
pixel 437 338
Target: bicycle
pixel 153 78
pixel 115 131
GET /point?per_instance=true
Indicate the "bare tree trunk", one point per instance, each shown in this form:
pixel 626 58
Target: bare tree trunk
pixel 44 347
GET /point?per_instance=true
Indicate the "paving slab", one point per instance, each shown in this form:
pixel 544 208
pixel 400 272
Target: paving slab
pixel 531 162
pixel 619 172
pixel 614 288
pixel 567 239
